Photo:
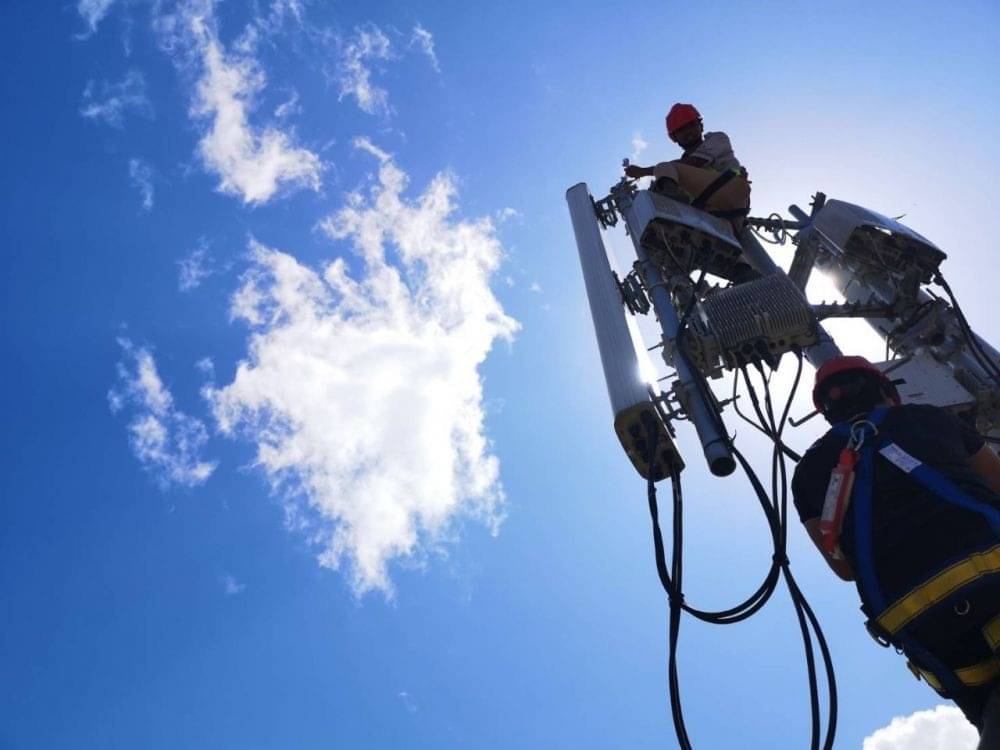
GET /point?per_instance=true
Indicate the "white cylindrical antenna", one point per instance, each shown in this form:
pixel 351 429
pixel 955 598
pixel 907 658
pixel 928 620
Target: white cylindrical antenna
pixel 629 395
pixel 621 366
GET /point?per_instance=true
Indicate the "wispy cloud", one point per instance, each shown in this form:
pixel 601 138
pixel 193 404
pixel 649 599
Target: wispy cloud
pixel 167 442
pixel 367 45
pixel 338 361
pixel 363 143
pixel 264 25
pixel 366 49
pixel 194 267
pixel 424 40
pixel 288 107
pixel 535 287
pixel 206 367
pixel 93 12
pixel 253 163
pixel 408 701
pixel 279 12
pixel 230 585
pixel 141 175
pixel 940 728
pixel 507 213
pixel 109 102
pixel 639 145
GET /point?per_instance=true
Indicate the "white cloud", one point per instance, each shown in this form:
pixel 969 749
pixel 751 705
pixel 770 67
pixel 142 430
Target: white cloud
pixel 93 11
pixel 288 107
pixel 141 175
pixel 278 13
pixel 940 728
pixel 425 41
pixel 263 26
pixel 354 72
pixel 369 46
pixel 194 267
pixel 408 701
pixel 363 143
pixel 535 287
pixel 230 585
pixel 206 367
pixel 507 213
pixel 167 442
pixel 108 102
pixel 361 387
pixel 252 163
pixel 638 146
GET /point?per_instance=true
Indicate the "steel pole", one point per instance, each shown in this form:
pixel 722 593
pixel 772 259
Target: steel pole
pixel 704 414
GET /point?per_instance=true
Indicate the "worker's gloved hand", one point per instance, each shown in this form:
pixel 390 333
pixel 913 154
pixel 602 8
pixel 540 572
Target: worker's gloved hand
pixel 635 171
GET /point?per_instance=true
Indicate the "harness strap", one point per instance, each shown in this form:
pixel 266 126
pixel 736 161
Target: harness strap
pixel 864 554
pixel 977 675
pixel 938 588
pixel 713 187
pixel 940 485
pixel 991 632
pixel 732 213
pixel 893 619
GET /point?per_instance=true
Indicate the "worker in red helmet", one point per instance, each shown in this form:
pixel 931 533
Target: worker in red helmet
pixel 708 175
pixel 904 500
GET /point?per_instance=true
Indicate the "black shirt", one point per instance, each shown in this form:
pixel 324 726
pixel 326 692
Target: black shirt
pixel 914 533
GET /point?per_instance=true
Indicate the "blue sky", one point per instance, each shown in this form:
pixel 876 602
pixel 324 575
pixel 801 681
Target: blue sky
pixel 405 521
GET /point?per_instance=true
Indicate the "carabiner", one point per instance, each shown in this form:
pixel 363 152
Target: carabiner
pixel 859 434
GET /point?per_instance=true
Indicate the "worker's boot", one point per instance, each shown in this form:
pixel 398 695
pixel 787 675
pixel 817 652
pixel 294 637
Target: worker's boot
pixel 669 189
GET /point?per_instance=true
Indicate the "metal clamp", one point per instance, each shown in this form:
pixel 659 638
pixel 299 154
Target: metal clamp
pixel 605 212
pixel 632 292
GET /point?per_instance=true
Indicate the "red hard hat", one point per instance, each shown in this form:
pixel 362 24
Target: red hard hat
pixel 679 116
pixel 848 364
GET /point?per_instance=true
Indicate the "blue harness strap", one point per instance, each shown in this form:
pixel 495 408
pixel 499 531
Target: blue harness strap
pixel 861 499
pixel 943 488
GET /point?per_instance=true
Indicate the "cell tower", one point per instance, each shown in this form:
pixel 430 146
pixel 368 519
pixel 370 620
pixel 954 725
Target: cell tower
pixel 758 312
pixel 722 304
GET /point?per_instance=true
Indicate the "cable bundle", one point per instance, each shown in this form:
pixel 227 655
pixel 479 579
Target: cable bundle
pixel 775 507
pixel 975 348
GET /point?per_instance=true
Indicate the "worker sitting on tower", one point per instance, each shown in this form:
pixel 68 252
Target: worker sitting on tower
pixel 905 501
pixel 708 175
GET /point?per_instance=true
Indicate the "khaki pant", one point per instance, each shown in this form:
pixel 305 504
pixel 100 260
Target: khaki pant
pixel 735 194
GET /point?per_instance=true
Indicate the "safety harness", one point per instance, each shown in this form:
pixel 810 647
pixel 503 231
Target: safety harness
pixel 892 622
pixel 712 188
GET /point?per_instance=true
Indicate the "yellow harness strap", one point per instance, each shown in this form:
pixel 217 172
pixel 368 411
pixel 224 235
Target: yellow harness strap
pixel 982 673
pixel 992 633
pixel 939 587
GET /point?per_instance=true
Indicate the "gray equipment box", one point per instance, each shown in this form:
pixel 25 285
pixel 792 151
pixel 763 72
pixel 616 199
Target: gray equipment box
pixel 871 239
pixel 758 320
